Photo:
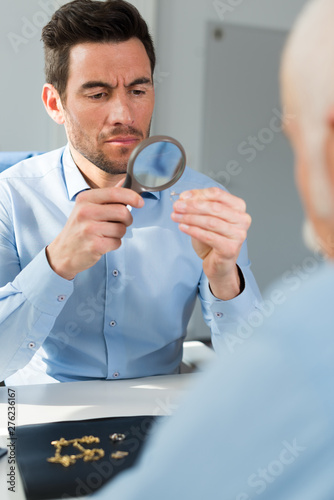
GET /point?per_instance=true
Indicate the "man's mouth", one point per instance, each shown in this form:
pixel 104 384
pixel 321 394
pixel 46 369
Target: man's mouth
pixel 127 140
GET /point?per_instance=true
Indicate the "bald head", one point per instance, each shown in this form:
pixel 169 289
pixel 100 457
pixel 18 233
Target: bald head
pixel 307 82
pixel 308 61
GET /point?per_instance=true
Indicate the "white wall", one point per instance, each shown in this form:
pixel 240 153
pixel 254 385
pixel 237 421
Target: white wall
pixel 181 47
pixel 180 93
pixel 24 123
pixel 179 37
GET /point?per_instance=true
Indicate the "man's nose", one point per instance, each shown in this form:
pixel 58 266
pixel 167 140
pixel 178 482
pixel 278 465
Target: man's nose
pixel 120 112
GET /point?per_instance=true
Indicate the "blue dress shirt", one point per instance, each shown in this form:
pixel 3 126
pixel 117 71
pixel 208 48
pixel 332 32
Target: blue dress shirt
pixel 260 423
pixel 126 316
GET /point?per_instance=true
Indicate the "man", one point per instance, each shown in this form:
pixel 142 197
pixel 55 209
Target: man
pixel 97 281
pixel 261 423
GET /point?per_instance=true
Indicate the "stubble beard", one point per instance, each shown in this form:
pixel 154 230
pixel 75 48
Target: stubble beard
pixel 98 157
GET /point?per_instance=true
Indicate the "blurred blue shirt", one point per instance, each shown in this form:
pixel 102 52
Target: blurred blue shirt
pixel 126 316
pixel 260 423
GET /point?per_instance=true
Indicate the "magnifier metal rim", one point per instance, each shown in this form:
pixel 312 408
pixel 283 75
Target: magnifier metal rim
pixel 137 186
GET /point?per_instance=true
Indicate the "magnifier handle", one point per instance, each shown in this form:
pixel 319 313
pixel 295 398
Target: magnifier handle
pixel 128 182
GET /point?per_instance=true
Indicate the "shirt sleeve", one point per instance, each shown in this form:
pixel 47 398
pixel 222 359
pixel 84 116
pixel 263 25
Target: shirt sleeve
pixel 224 317
pixel 29 306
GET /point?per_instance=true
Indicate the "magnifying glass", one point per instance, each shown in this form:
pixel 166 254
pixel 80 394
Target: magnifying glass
pixel 155 164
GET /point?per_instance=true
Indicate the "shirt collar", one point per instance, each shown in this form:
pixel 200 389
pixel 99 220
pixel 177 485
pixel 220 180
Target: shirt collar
pixel 76 183
pixel 152 194
pixel 74 179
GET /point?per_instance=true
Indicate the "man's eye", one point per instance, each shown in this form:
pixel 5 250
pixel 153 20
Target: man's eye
pixel 97 97
pixel 138 92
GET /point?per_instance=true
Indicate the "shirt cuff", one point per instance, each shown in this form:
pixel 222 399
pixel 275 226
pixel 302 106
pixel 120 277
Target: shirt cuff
pixel 42 287
pixel 229 310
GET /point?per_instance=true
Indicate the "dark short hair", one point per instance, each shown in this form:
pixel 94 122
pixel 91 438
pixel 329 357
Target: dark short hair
pixel 83 21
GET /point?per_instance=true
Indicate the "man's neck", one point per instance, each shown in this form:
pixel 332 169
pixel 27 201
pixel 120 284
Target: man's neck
pixel 94 176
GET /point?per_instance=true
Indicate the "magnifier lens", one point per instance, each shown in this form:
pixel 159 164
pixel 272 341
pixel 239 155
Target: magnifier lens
pixel 155 164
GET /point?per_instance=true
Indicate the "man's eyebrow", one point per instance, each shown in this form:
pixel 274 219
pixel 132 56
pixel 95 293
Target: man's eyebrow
pixel 95 84
pixel 140 81
pixel 98 83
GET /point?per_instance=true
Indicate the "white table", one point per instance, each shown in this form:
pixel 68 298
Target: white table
pixel 84 400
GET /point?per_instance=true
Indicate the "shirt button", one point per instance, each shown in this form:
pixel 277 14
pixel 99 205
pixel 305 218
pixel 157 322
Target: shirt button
pixel 116 374
pixel 113 323
pixel 115 273
pixel 31 345
pixel 61 298
pixel 219 315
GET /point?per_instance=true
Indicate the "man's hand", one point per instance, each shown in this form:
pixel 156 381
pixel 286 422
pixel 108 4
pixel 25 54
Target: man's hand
pixel 218 223
pixel 96 226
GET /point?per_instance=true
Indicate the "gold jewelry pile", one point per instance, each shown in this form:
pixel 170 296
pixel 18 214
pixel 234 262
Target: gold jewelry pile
pixel 87 454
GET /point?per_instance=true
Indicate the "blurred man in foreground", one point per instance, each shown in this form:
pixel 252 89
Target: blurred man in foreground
pixel 262 421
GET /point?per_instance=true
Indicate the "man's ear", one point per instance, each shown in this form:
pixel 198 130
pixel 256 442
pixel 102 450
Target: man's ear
pixel 52 103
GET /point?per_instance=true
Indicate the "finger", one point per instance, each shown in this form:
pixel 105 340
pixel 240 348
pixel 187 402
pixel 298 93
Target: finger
pixel 110 230
pixel 217 225
pixel 103 244
pixel 228 248
pixel 111 195
pixel 210 208
pixel 214 194
pixel 102 237
pixel 114 212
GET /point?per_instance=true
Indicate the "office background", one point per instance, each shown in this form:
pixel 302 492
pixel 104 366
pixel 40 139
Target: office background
pixel 216 92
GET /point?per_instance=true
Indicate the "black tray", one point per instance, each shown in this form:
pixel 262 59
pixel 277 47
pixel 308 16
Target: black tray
pixel 44 480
